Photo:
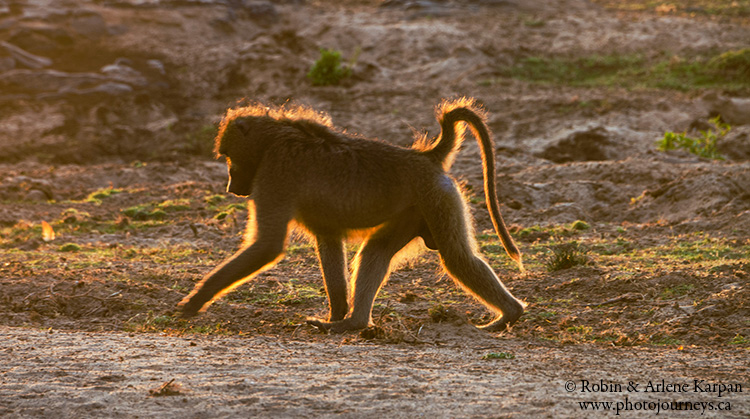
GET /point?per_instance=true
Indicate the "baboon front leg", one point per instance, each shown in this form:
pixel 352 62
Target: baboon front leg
pixel 371 267
pixel 332 259
pixel 266 250
pixel 229 275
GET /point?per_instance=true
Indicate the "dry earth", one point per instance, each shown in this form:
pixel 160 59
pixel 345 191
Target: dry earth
pixel 107 110
pixel 115 375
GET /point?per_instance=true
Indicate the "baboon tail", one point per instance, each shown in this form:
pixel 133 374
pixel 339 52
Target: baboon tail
pixel 449 113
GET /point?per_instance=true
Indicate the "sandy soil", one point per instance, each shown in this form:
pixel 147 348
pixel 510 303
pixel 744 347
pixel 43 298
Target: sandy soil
pixel 122 96
pixel 121 375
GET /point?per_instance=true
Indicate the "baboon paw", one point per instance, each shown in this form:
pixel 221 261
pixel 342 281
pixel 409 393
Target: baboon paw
pixel 335 326
pixel 500 325
pixel 496 326
pixel 185 310
pixel 185 315
pixel 321 325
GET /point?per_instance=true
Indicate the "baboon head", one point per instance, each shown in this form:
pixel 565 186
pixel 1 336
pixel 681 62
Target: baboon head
pixel 235 142
pixel 245 133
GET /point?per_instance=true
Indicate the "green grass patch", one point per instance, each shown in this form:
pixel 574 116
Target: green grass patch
pixel 499 355
pixel 531 22
pixel 591 70
pixel 73 216
pixel 215 199
pixel 224 211
pixel 676 291
pixel 289 293
pixel 144 212
pixel 696 248
pixel 727 70
pixel 733 63
pixel 665 340
pixel 70 247
pixel 739 340
pixel 174 205
pixel 561 230
pixel 97 196
pixel 156 211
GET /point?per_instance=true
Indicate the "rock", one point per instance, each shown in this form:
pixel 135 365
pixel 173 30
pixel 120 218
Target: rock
pixel 115 79
pixel 44 39
pixel 262 11
pixel 24 81
pixel 24 58
pixel 736 145
pixel 89 24
pixel 121 71
pixel 157 65
pixel 563 213
pixel 36 195
pixel 734 111
pixel 162 124
pixel 106 89
pixel 585 145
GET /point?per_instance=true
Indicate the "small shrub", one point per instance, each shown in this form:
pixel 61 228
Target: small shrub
pixel 327 70
pixel 738 339
pixel 70 247
pixel 438 313
pixel 566 256
pixel 704 146
pixel 580 225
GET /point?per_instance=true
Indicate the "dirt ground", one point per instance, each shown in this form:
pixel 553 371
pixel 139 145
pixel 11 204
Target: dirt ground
pixel 107 113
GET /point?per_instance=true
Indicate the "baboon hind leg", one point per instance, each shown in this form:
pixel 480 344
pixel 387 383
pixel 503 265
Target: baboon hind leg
pixel 451 232
pixel 332 259
pixel 371 267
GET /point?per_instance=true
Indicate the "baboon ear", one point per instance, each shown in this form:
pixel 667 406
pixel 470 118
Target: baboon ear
pixel 243 125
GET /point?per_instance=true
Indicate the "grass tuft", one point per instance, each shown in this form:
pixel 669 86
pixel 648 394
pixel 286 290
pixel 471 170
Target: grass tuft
pixel 499 355
pixel 70 247
pixel 567 255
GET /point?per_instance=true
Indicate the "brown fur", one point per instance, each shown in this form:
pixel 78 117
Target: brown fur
pixel 297 168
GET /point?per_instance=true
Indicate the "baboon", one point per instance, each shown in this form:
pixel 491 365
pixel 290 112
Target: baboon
pixel 296 167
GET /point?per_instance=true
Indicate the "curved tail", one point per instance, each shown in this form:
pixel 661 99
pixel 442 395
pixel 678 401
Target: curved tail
pixel 448 114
